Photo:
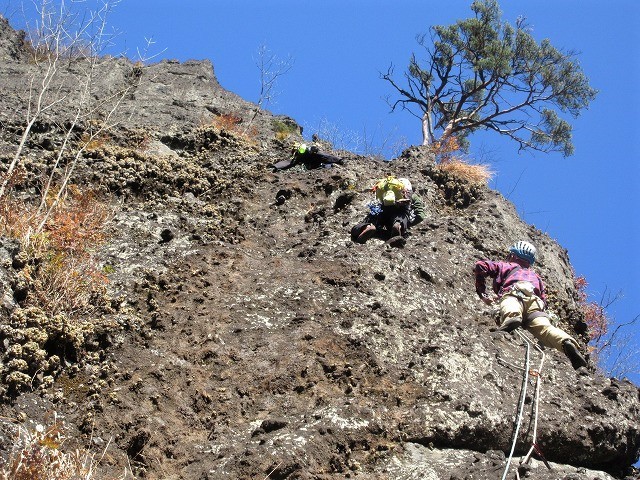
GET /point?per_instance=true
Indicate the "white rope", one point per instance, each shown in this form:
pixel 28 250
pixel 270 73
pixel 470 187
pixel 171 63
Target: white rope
pixel 523 395
pixel 534 439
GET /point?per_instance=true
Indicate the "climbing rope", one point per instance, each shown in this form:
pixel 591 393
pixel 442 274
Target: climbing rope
pixel 523 394
pixel 534 440
pixel 523 391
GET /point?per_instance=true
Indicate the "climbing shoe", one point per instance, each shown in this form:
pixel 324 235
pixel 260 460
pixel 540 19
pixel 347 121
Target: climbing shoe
pixel 571 351
pixel 398 241
pixel 368 232
pixel 510 324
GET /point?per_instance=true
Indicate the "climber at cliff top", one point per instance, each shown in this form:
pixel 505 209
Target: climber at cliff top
pixel 522 300
pixel 309 156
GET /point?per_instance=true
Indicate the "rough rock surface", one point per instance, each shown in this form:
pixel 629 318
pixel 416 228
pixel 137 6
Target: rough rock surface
pixel 251 338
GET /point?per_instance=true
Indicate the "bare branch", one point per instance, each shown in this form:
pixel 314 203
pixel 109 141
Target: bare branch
pixel 271 69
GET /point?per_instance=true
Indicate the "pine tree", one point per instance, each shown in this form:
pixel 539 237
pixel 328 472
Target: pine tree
pixel 483 73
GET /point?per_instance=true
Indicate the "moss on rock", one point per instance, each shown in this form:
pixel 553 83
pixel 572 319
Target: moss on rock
pixel 35 342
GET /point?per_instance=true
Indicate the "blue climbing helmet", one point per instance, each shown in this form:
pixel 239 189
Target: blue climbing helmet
pixel 524 250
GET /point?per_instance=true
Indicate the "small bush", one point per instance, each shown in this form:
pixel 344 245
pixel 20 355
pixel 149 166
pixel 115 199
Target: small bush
pixel 446 150
pixel 284 130
pixel 597 320
pixel 594 314
pixel 78 224
pixel 44 47
pixel 136 71
pixel 450 163
pixel 609 340
pixel 36 53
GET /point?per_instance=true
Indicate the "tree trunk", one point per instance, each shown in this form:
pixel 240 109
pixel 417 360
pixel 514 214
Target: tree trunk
pixel 427 130
pixel 447 130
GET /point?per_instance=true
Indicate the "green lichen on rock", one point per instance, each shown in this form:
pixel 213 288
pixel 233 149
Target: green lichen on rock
pixel 34 344
pixel 186 166
pixel 457 192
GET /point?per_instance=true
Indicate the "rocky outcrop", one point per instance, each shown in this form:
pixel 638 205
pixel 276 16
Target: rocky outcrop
pixel 11 42
pixel 251 338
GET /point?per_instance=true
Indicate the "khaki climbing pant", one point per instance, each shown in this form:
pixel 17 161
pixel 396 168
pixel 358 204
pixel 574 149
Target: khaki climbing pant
pixel 521 303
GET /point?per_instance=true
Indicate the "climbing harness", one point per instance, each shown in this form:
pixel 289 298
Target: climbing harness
pixel 528 371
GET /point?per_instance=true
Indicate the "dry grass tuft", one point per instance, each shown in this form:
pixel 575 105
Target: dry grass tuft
pixel 38 454
pixel 284 130
pixel 477 174
pixel 450 162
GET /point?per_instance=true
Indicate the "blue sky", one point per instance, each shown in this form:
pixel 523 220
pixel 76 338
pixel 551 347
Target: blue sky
pixel 587 202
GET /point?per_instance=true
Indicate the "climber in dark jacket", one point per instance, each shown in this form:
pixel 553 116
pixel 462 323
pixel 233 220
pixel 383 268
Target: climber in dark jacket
pixel 310 157
pixel 395 209
pixel 522 301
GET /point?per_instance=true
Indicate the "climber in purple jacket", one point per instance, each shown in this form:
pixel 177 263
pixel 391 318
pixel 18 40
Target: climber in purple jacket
pixel 522 299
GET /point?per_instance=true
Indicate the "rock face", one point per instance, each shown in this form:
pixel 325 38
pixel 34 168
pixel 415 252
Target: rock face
pixel 11 42
pixel 251 338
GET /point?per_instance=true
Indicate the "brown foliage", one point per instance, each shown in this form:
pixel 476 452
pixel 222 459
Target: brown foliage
pixel 595 315
pixel 60 266
pixel 92 143
pixel 446 149
pixel 232 124
pixel 77 225
pixel 227 121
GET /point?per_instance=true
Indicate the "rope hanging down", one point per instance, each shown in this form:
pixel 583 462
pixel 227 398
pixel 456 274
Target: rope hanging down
pixel 523 394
